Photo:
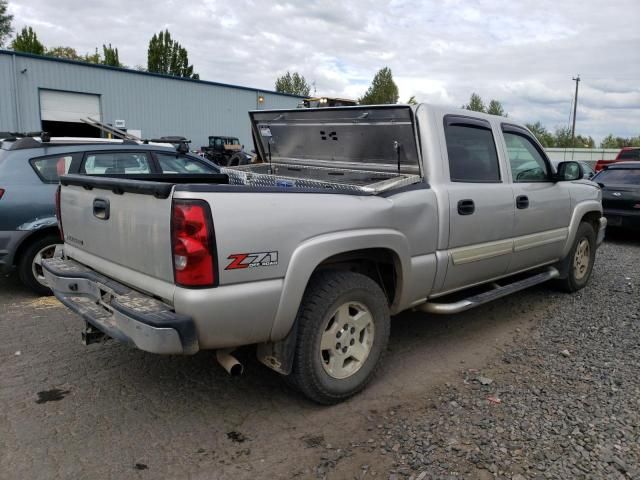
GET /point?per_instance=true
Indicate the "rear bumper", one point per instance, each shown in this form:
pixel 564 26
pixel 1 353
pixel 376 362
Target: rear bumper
pixel 623 218
pixel 120 312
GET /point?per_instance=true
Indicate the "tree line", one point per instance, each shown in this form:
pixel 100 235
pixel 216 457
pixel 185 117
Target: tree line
pixel 383 90
pixel 164 54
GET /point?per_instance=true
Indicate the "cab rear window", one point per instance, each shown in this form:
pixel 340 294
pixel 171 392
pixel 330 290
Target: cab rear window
pixel 49 169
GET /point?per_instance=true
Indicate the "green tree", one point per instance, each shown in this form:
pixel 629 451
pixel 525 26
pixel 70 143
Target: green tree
pixel 545 137
pixel 562 137
pixel 64 52
pixel 383 89
pixel 610 141
pixel 412 100
pixel 582 141
pixel 619 142
pixel 110 55
pixel 496 108
pixel 167 56
pixel 294 84
pixel 5 23
pixel 92 57
pixel 475 104
pixel 27 41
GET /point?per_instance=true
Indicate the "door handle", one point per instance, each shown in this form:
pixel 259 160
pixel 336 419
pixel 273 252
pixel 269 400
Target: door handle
pixel 522 202
pixel 466 207
pixel 101 209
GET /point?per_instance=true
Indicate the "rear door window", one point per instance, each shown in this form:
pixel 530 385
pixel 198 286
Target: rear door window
pixel 181 164
pixel 49 169
pixel 120 163
pixel 472 151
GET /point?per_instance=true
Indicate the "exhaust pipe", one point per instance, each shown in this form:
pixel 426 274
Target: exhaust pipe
pixel 229 362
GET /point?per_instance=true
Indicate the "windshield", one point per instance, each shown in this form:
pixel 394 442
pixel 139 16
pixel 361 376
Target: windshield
pixel 219 141
pixel 619 176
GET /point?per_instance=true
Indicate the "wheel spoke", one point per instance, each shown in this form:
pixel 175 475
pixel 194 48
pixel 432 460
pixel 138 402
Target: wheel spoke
pixel 342 315
pixel 359 352
pixel 361 320
pixel 336 363
pixel 38 258
pixel 328 341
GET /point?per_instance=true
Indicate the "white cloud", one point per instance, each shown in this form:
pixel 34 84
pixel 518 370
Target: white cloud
pixel 523 53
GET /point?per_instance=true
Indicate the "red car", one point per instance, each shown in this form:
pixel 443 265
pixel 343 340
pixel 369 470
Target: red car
pixel 625 155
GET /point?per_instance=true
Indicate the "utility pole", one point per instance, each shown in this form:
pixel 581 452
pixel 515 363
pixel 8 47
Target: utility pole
pixel 575 107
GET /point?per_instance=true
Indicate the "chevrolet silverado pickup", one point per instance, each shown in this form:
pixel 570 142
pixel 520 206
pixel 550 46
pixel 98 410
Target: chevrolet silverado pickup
pixel 356 214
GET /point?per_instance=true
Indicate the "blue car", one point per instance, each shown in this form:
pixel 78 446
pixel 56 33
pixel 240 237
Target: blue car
pixel 29 173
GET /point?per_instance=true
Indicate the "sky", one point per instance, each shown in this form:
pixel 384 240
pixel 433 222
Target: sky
pixel 523 53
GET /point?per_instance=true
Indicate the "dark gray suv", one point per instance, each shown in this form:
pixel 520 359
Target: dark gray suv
pixel 29 175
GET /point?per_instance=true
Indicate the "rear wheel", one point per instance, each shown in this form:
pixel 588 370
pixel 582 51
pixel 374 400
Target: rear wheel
pixel 343 329
pixel 30 263
pixel 579 262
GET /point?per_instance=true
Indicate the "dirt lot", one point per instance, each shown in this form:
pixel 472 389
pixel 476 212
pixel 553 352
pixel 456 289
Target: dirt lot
pixel 478 395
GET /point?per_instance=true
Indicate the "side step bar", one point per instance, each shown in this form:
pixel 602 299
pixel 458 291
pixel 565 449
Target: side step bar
pixel 497 292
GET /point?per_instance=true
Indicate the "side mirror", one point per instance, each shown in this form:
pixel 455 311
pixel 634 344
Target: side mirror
pixel 569 171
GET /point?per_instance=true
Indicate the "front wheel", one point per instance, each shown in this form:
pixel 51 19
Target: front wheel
pixel 30 263
pixel 343 330
pixel 579 262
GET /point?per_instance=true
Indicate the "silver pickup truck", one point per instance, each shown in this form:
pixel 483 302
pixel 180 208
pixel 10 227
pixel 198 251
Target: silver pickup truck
pixel 356 214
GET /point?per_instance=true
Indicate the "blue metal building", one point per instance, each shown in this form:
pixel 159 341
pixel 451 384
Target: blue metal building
pixel 51 94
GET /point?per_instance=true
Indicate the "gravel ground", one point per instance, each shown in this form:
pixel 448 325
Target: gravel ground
pixel 564 403
pixel 535 385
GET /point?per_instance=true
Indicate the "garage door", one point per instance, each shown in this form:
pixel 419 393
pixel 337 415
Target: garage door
pixel 60 106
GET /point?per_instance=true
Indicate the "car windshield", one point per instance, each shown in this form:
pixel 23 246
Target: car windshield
pixel 619 176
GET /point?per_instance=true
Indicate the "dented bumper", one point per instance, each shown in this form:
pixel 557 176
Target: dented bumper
pixel 120 312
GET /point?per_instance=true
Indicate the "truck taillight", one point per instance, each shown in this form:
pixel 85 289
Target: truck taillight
pixel 1 192
pixel 58 214
pixel 192 242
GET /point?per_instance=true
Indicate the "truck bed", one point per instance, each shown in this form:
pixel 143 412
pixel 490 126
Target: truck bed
pixel 306 176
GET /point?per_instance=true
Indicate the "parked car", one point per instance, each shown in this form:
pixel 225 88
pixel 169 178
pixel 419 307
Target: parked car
pixel 620 183
pixel 361 213
pixel 29 174
pixel 626 154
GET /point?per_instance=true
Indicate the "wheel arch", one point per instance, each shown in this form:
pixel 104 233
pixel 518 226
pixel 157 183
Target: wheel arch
pixel 33 236
pixel 342 250
pixel 589 211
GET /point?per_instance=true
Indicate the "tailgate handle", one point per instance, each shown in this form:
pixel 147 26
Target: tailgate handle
pixel 101 208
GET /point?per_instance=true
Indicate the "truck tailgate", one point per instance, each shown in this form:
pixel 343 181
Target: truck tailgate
pixel 121 228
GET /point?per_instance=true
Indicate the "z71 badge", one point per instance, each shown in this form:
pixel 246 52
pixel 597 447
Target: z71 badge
pixel 251 260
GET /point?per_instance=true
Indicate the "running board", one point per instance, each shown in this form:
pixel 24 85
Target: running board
pixel 497 292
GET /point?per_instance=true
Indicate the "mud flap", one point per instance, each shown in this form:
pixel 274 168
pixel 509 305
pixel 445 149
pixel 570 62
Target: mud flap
pixel 279 355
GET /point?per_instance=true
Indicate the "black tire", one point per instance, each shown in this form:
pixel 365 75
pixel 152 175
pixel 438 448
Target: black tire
pixel 25 262
pixel 577 277
pixel 326 292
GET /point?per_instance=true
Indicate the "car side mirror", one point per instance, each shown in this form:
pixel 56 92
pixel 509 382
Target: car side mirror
pixel 569 171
